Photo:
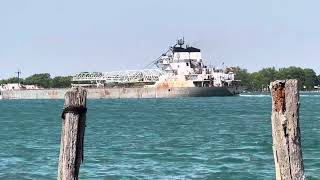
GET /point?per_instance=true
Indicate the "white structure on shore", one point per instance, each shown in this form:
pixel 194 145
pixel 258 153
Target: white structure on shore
pixel 17 86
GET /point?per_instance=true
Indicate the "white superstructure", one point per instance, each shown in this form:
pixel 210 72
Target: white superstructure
pixel 185 63
pixel 180 66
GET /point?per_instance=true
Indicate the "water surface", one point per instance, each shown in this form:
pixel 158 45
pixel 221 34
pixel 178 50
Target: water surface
pixel 183 138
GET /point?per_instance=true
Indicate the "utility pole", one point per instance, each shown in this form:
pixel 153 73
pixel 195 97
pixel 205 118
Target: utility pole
pixel 18 73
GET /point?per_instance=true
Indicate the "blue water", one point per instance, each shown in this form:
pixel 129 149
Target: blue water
pixel 184 138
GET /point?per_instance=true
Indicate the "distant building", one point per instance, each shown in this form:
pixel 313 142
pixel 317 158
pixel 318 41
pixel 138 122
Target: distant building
pixel 17 86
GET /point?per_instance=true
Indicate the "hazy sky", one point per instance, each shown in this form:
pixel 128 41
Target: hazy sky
pixel 68 36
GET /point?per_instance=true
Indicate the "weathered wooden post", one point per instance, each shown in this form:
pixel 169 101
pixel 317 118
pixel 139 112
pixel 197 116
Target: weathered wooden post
pixel 286 131
pixel 72 135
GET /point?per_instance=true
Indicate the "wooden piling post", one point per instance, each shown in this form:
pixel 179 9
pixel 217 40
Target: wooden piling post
pixel 287 149
pixel 72 134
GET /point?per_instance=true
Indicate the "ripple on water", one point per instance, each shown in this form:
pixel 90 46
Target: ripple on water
pixel 184 138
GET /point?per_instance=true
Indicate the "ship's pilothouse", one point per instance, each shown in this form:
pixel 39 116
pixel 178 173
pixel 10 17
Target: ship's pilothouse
pixel 184 62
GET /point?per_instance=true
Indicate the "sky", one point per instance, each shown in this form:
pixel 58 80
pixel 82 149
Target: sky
pixel 64 37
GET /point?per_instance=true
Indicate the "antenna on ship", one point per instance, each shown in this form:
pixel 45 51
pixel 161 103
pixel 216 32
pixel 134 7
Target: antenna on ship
pixel 19 73
pixel 181 42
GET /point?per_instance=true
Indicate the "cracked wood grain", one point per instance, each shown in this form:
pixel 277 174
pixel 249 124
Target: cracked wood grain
pixel 286 130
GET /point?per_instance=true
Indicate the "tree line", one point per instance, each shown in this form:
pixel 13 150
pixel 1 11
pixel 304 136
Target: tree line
pixel 259 80
pixel 43 80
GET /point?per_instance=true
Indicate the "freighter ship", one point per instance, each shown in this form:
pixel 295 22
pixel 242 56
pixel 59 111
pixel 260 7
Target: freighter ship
pixel 180 72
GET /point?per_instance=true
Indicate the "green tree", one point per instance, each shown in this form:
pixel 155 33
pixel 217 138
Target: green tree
pixel 307 77
pixel 292 72
pixel 10 80
pixel 261 79
pixel 244 76
pixel 61 82
pixel 267 76
pixel 318 80
pixel 43 80
pixel 257 81
pixel 3 81
pixel 310 79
